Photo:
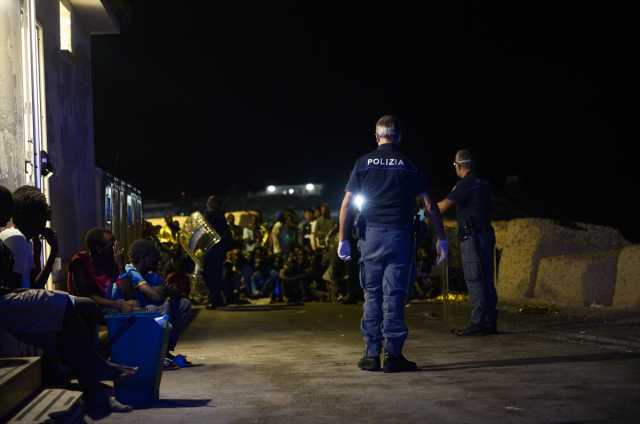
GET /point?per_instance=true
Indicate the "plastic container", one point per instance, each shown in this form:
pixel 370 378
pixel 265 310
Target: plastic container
pixel 143 344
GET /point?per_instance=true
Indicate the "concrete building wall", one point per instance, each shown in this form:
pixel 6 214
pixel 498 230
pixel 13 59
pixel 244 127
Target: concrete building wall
pixel 11 121
pixel 69 129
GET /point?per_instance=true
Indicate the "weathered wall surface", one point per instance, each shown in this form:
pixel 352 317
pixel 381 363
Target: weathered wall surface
pixel 577 280
pixel 69 128
pixel 525 242
pixel 627 292
pixel 11 125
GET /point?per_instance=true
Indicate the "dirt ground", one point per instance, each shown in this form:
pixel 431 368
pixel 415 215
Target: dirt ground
pixel 277 364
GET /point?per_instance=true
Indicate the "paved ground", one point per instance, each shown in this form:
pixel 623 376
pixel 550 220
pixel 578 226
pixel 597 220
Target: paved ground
pixel 277 364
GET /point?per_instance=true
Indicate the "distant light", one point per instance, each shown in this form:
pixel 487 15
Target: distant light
pixel 271 189
pixel 284 191
pixel 359 201
pixel 309 187
pixel 290 191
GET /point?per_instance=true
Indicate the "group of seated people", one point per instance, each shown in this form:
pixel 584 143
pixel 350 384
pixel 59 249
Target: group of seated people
pixel 99 283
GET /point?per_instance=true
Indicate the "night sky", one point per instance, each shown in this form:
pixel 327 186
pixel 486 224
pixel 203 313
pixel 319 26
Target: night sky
pixel 197 98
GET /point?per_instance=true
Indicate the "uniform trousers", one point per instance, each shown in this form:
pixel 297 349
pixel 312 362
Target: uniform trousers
pixel 213 278
pixel 482 291
pixel 384 272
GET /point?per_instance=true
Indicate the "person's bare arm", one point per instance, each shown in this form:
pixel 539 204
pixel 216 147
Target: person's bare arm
pixel 41 279
pixel 345 215
pixel 433 212
pixel 155 294
pixel 78 276
pixel 445 204
pixel 126 287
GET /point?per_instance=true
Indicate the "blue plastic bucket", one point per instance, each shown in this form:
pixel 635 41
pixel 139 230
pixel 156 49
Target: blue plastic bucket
pixel 142 343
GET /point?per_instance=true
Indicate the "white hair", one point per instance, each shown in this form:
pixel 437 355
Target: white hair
pixel 388 127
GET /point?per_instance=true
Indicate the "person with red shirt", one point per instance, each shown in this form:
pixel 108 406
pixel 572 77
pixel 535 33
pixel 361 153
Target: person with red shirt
pixel 93 273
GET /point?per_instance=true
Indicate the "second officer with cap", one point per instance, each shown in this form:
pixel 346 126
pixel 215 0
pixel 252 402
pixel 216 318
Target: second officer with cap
pixel 386 181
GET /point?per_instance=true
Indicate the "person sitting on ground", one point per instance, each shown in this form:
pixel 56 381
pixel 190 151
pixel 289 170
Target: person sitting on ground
pixel 264 280
pixel 156 295
pixel 292 281
pixel 242 274
pixel 179 277
pixel 92 274
pixel 48 319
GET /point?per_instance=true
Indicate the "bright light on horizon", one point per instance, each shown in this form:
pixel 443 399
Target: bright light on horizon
pixel 290 191
pixel 309 187
pixel 271 189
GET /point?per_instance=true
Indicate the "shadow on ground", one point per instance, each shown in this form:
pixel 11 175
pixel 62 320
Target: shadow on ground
pixel 518 362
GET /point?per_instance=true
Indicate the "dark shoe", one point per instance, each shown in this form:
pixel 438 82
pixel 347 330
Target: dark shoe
pixel 369 364
pixel 471 330
pixel 492 328
pixel 397 363
pixel 212 306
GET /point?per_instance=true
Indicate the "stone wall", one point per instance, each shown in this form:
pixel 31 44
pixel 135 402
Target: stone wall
pixel 627 290
pixel 577 280
pixel 11 119
pixel 523 243
pixel 69 128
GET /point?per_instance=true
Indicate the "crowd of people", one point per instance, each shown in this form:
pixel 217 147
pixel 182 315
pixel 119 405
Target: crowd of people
pixel 292 261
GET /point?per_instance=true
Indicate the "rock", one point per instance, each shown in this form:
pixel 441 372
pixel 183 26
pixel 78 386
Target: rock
pixel 523 243
pixel 627 292
pixel 577 280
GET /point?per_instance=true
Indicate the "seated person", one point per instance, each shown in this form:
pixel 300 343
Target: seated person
pixel 92 274
pixel 155 294
pixel 179 277
pixel 242 274
pixel 31 212
pixel 264 280
pixel 44 318
pixel 292 279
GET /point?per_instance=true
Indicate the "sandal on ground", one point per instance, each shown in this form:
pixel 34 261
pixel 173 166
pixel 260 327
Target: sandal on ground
pixel 181 360
pixel 169 365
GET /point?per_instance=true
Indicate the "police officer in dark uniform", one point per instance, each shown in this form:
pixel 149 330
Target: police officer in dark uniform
pixel 472 197
pixel 386 181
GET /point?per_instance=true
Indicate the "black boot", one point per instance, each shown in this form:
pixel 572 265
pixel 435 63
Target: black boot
pixel 397 363
pixel 369 363
pixel 472 329
pixel 492 328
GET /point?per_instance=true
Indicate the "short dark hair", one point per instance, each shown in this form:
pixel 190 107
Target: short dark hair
pixel 6 203
pixel 28 204
pixel 308 210
pixel 468 157
pixel 215 199
pixel 95 237
pixel 389 127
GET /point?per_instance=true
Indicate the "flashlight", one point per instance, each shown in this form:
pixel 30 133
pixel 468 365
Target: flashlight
pixel 359 201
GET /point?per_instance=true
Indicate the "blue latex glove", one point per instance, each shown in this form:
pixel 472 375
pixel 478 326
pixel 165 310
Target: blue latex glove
pixel 344 251
pixel 443 251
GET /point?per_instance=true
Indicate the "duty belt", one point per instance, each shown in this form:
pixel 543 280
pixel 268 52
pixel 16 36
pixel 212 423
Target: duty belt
pixel 485 229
